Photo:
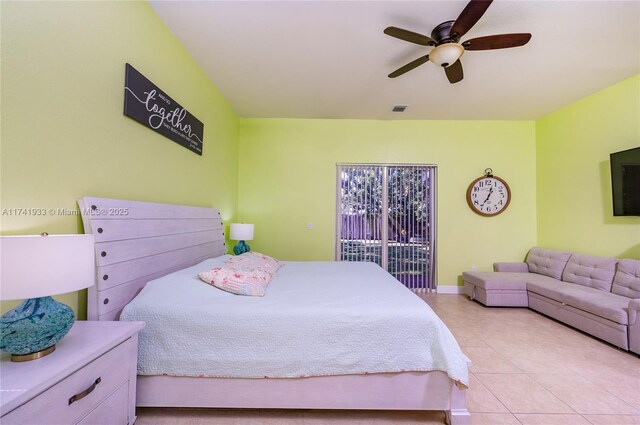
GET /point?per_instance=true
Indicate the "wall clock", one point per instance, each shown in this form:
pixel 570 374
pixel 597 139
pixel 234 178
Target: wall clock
pixel 488 195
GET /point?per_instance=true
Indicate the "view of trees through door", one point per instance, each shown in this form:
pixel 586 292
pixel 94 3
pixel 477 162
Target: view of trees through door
pixel 386 214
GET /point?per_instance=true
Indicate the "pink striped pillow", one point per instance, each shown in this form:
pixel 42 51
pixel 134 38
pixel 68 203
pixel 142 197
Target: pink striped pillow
pixel 238 281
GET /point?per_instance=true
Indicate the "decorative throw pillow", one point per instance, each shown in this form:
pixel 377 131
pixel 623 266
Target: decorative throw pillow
pixel 255 260
pixel 238 281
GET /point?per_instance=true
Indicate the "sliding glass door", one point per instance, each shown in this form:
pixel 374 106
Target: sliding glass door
pixel 386 214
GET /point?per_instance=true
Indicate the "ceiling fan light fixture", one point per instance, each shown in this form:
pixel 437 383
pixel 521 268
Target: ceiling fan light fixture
pixel 446 54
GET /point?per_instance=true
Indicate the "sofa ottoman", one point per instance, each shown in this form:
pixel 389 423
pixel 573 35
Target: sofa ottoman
pixel 506 290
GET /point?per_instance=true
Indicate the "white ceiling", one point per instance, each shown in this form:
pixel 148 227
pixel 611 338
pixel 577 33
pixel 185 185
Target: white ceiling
pixel 330 59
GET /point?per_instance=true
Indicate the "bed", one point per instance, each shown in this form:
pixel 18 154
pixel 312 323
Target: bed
pixel 167 245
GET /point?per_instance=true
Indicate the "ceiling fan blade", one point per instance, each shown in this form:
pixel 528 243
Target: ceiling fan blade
pixel 408 67
pixel 501 41
pixel 469 16
pixel 410 36
pixel 454 72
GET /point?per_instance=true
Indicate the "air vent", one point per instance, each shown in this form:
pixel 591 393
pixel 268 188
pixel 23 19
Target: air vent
pixel 399 108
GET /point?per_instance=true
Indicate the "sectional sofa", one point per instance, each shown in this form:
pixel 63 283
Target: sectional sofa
pixel 598 295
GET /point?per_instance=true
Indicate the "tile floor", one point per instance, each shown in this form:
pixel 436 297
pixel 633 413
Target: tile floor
pixel 527 370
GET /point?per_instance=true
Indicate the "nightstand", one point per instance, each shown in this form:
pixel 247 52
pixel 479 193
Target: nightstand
pixel 89 379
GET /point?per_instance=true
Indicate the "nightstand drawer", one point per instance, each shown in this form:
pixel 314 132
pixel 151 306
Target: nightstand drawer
pixel 113 411
pixel 72 398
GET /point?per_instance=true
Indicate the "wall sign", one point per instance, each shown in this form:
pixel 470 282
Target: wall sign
pixel 150 106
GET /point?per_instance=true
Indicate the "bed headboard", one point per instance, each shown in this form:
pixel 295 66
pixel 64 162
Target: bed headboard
pixel 136 242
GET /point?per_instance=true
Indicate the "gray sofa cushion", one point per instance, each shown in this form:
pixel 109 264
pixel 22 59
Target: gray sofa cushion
pixel 591 271
pixel 627 279
pixel 547 262
pixel 606 305
pixel 610 306
pixel 557 290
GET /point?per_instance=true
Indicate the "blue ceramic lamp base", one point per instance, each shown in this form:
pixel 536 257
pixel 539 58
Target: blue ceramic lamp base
pixel 31 330
pixel 241 247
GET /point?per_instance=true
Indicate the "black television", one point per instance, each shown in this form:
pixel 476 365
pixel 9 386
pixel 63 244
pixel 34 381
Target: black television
pixel 625 182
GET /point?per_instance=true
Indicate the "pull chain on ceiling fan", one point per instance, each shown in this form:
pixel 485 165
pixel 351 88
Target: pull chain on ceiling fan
pixel 445 40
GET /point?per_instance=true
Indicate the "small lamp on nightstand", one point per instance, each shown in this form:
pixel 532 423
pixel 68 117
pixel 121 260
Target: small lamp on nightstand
pixel 32 269
pixel 241 232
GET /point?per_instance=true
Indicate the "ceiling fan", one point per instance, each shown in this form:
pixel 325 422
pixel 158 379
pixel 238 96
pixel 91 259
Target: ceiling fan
pixel 445 40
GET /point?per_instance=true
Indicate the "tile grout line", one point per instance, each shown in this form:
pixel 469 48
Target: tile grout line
pixel 599 386
pixel 490 392
pixel 610 393
pixel 530 413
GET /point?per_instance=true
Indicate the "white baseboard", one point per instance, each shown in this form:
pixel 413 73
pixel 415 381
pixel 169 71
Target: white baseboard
pixel 449 289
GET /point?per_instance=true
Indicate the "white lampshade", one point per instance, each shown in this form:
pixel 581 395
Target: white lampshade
pixel 446 54
pixel 40 266
pixel 241 232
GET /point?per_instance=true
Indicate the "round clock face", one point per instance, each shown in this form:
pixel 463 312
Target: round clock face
pixel 488 196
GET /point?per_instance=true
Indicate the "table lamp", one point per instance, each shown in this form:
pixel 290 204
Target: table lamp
pixel 241 232
pixel 32 268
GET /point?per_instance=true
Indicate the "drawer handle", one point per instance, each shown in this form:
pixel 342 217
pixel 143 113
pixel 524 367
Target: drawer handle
pixel 86 392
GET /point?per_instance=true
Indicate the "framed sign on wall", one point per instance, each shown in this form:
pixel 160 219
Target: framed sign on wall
pixel 150 106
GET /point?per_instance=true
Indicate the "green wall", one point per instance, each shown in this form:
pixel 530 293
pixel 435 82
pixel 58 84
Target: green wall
pixel 63 132
pixel 287 179
pixel 573 175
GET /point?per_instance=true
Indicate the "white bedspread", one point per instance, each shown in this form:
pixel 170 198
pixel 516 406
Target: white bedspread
pixel 317 318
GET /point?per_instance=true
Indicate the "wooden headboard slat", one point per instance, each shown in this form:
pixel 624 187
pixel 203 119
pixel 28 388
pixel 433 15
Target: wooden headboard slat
pixel 131 249
pixel 116 208
pixel 123 229
pixel 140 241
